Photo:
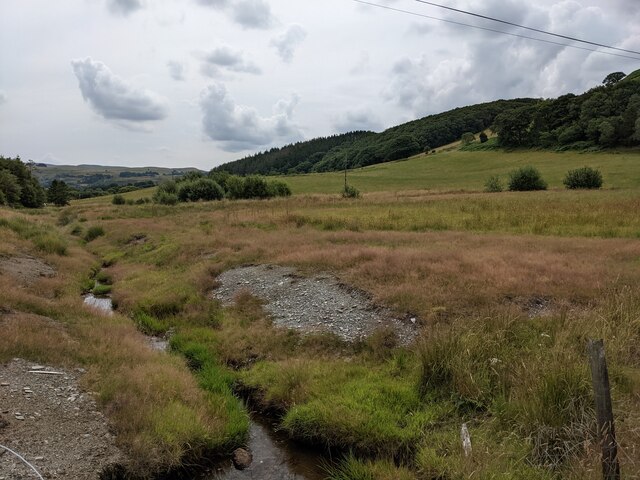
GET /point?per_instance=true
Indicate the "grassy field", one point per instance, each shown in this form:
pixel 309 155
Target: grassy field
pixel 468 265
pixel 457 170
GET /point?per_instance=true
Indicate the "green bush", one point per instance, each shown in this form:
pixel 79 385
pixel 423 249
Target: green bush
pixel 493 184
pixel 93 233
pixel 200 189
pixel 165 198
pixel 585 177
pixel 118 200
pixel 526 179
pixel 350 191
pixel 278 188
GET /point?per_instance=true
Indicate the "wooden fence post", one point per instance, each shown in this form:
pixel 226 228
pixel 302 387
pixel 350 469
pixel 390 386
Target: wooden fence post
pixel 604 411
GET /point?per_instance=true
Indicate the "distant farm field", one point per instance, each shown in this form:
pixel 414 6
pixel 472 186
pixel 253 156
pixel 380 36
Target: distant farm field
pixel 458 170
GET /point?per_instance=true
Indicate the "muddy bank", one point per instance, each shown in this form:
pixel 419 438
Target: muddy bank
pixel 312 304
pixel 52 423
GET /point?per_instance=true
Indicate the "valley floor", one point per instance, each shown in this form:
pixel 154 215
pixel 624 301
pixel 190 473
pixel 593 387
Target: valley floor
pixel 502 290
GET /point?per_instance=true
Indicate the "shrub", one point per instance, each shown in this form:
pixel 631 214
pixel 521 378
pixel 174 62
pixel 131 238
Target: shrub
pixel 165 198
pixel 526 179
pixel 255 187
pixel 118 200
pixel 483 137
pixel 93 233
pixel 493 184
pixel 278 188
pixel 167 193
pixel 585 177
pixel 350 191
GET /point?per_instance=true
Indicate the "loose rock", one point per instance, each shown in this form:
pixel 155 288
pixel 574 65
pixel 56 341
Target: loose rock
pixel 312 304
pixel 242 458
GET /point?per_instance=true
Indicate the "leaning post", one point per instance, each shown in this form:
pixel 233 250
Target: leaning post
pixel 604 410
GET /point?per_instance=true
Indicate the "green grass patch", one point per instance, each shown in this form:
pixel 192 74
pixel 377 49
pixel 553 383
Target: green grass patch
pixel 44 238
pixel 468 170
pixel 93 233
pixel 101 290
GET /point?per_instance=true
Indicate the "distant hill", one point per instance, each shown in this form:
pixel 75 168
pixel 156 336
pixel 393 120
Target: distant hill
pixel 359 149
pixel 92 176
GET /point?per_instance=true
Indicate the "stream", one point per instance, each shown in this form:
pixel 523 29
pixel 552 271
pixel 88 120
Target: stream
pixel 275 457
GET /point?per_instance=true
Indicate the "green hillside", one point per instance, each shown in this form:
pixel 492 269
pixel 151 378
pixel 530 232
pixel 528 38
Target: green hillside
pixel 359 149
pixel 460 170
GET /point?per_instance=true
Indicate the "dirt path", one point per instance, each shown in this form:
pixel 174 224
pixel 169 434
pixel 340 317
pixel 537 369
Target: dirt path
pixel 25 269
pixel 52 423
pixel 312 304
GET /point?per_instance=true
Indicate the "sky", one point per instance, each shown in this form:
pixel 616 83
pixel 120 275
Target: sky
pixel 198 83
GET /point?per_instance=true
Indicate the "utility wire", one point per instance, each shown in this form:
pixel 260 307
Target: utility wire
pixel 526 28
pixel 23 460
pixel 415 14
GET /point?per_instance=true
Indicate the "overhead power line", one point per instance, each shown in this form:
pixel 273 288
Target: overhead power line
pixel 566 37
pixel 502 32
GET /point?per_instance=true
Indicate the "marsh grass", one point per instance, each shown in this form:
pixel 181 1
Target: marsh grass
pixel 45 239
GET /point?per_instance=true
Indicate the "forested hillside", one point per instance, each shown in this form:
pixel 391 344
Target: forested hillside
pixel 358 149
pixel 605 116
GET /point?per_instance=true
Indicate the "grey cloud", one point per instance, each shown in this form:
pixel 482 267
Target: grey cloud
pixel 357 120
pixel 3 97
pixel 238 127
pixel 489 66
pixel 288 41
pixel 115 99
pixel 252 14
pixel 176 70
pixel 224 58
pixel 124 7
pixel 247 13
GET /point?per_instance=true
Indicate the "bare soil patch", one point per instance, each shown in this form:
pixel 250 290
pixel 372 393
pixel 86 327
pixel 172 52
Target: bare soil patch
pixel 25 269
pixel 52 423
pixel 313 304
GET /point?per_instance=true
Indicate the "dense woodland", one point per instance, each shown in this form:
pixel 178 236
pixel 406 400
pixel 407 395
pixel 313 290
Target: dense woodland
pixel 359 149
pixel 605 116
pixel 18 187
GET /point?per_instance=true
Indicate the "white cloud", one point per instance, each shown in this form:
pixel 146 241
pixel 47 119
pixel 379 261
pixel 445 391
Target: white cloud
pixel 115 99
pixel 288 41
pixel 124 7
pixel 225 59
pixel 237 127
pixel 3 97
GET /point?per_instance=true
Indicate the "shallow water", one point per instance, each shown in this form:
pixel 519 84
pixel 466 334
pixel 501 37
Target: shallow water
pixel 104 304
pixel 275 458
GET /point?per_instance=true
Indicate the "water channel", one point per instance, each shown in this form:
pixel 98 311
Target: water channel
pixel 275 457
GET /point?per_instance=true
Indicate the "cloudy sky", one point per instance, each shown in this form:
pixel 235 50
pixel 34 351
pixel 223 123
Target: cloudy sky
pixel 202 82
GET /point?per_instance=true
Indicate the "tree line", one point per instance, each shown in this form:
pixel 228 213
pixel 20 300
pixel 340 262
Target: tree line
pixel 605 116
pixel 362 148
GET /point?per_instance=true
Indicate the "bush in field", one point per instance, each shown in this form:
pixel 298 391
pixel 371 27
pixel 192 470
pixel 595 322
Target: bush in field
pixel 526 179
pixel 350 191
pixel 585 177
pixel 167 193
pixel 278 188
pixel 493 184
pixel 200 189
pixel 118 200
pixel 93 233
